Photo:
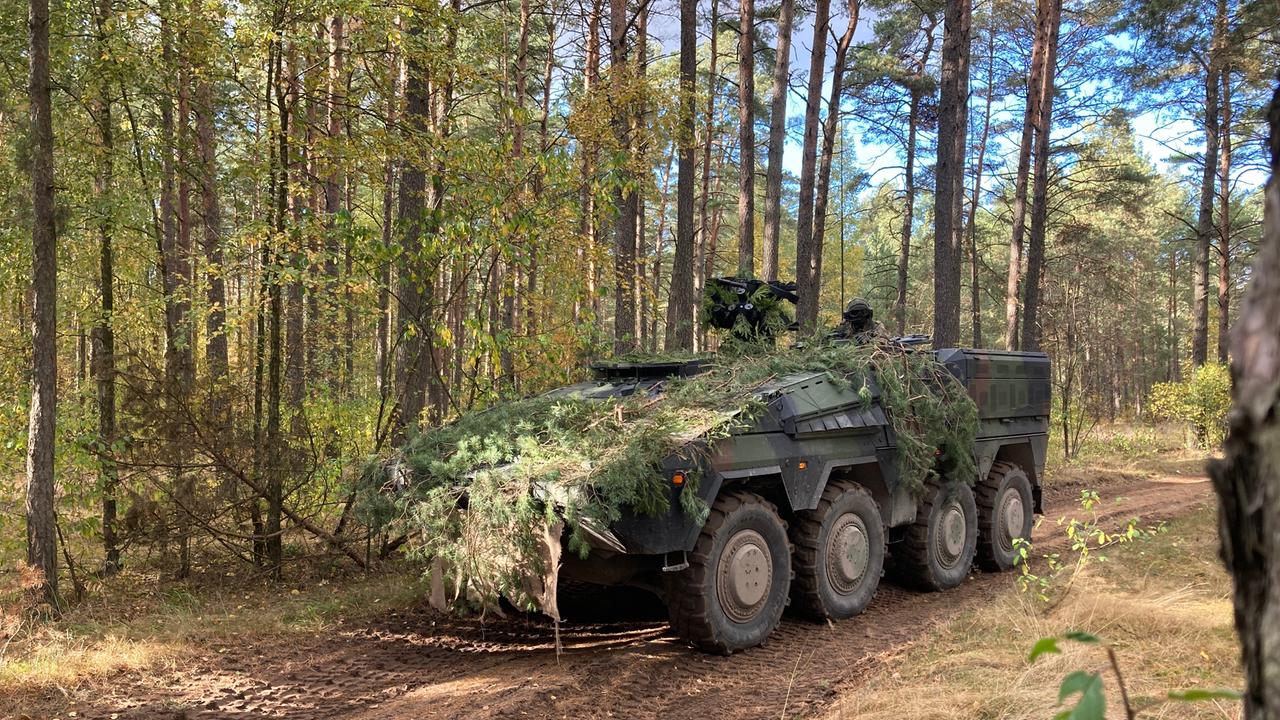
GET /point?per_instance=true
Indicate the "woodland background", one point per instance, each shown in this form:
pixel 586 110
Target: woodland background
pixel 289 232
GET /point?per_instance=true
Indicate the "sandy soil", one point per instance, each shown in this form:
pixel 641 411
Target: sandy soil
pixel 623 662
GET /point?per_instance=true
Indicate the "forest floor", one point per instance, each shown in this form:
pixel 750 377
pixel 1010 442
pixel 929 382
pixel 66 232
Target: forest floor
pixel 369 648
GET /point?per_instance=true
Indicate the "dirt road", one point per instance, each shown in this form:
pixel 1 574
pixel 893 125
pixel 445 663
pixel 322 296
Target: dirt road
pixel 425 665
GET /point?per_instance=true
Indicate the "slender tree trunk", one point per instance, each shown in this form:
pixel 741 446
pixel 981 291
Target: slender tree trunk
pixel 777 139
pixel 414 292
pixel 1040 184
pixel 908 215
pixel 383 360
pixel 42 549
pixel 948 220
pixel 909 176
pixel 641 116
pixel 1246 480
pixel 104 344
pixel 273 545
pixel 830 130
pixel 298 343
pixel 1013 289
pixel 975 292
pixel 705 262
pixel 624 198
pixel 807 258
pixel 746 140
pixel 1224 218
pixel 1205 225
pixel 680 298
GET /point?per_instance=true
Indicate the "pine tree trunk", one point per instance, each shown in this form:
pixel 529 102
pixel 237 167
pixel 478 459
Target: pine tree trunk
pixel 414 292
pixel 680 298
pixel 1246 480
pixel 706 241
pixel 807 258
pixel 1040 184
pixel 1204 224
pixel 975 292
pixel 1013 288
pixel 383 358
pixel 104 344
pixel 830 130
pixel 953 125
pixel 42 550
pixel 624 198
pixel 746 140
pixel 777 139
pixel 1224 220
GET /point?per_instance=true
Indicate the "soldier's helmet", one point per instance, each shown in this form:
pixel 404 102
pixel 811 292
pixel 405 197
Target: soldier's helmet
pixel 858 314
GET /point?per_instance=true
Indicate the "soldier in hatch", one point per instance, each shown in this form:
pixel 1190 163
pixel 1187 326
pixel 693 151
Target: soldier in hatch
pixel 858 323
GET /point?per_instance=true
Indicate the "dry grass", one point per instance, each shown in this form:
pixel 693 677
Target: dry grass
pixel 130 625
pixel 1163 602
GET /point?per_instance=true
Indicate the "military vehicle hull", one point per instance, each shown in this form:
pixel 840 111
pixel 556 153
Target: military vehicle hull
pixel 809 489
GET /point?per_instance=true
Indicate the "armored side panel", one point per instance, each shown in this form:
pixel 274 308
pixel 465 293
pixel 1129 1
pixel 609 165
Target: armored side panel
pixel 1012 392
pixel 1004 385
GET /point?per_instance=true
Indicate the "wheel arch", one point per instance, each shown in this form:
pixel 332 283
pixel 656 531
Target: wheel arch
pixel 1022 452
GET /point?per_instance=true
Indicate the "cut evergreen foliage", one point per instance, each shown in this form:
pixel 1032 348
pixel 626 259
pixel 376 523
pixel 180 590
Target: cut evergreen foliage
pixel 478 493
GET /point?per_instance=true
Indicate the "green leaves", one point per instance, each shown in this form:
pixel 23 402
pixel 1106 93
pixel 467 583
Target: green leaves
pixel 1092 704
pixel 1090 694
pixel 1044 646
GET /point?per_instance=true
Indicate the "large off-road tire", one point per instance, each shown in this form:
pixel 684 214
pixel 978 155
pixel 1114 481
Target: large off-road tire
pixel 734 591
pixel 1005 512
pixel 938 550
pixel 839 553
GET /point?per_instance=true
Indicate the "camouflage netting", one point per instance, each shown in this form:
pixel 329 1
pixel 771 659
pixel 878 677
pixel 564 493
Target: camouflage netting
pixel 482 498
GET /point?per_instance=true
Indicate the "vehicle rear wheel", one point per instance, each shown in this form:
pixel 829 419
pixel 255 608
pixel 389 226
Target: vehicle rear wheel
pixel 734 591
pixel 1004 514
pixel 940 545
pixel 839 553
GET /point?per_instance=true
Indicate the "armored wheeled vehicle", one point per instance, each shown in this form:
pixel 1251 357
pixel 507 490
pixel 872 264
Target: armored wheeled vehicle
pixel 805 507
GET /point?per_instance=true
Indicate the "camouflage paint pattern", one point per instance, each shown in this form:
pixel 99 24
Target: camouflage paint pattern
pixel 812 429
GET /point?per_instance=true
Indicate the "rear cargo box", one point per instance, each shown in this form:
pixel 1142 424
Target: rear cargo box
pixel 1002 384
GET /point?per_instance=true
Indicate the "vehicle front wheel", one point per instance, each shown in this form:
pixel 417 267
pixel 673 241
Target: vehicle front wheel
pixel 734 591
pixel 940 545
pixel 839 550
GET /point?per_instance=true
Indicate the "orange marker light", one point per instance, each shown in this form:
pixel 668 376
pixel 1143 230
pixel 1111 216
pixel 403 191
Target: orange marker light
pixel 677 479
pixel 802 465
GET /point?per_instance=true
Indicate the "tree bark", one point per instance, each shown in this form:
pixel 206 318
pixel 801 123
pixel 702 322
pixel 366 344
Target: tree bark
pixel 1204 223
pixel 1040 184
pixel 975 292
pixel 948 220
pixel 1247 480
pixel 1013 288
pixel 104 344
pixel 42 549
pixel 746 140
pixel 807 259
pixel 706 241
pixel 777 140
pixel 909 177
pixel 625 202
pixel 680 298
pixel 830 130
pixel 1224 219
pixel 415 284
pixel 383 358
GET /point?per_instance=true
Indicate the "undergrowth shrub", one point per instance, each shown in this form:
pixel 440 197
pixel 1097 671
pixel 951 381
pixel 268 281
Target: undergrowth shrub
pixel 1201 401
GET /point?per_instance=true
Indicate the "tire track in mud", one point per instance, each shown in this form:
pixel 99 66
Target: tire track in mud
pixel 426 665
